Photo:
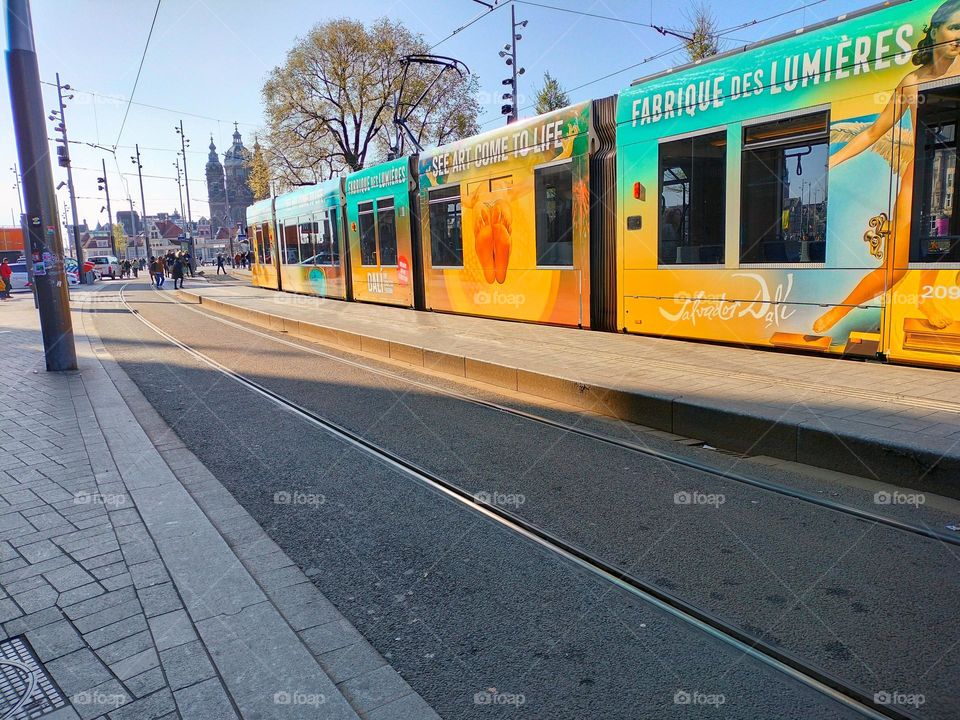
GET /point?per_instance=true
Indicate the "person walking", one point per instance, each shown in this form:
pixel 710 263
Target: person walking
pixel 126 267
pixel 187 264
pixel 179 264
pixel 6 274
pixel 220 268
pixel 156 270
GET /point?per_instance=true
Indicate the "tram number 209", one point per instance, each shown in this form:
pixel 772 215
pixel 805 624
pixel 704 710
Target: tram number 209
pixel 940 292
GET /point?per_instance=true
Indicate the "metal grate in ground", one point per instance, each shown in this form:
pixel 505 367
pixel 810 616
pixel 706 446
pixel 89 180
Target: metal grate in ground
pixel 21 672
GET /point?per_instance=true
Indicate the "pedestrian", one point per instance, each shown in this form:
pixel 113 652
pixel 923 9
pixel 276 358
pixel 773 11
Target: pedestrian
pixel 220 268
pixel 125 269
pixel 187 264
pixel 156 270
pixel 6 274
pixel 135 266
pixel 179 265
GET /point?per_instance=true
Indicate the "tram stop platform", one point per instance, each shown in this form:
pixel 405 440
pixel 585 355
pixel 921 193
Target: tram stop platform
pixel 132 584
pixel 895 424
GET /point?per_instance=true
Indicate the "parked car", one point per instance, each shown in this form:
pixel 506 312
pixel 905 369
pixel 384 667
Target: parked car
pixel 72 270
pixel 106 266
pixel 20 280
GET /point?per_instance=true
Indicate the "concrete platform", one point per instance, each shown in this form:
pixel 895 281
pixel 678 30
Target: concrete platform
pixel 895 424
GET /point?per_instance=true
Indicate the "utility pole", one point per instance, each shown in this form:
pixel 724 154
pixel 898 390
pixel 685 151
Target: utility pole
pixel 509 52
pixel 102 185
pixel 186 181
pixel 16 180
pixel 63 157
pixel 133 226
pixel 226 196
pixel 180 188
pixel 45 241
pixel 135 159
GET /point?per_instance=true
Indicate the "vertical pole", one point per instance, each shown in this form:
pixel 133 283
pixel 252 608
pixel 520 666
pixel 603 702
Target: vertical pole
pixel 513 54
pixel 106 189
pixel 133 226
pixel 77 248
pixel 186 182
pixel 143 204
pixel 180 190
pixel 46 245
pixel 16 177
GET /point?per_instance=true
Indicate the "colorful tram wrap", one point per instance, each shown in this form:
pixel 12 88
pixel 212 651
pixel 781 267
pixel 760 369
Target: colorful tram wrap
pixel 797 193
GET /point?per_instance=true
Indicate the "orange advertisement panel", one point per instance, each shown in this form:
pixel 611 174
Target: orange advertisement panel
pixel 505 221
pixel 260 232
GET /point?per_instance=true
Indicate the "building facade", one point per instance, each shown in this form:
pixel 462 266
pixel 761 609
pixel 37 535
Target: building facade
pixel 228 188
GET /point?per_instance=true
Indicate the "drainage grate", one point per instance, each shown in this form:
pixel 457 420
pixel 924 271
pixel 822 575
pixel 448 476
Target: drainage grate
pixel 16 673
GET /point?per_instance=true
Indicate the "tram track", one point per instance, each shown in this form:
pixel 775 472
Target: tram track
pixel 786 662
pixel 662 455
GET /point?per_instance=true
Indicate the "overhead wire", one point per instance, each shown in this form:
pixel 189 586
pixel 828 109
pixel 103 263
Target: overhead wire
pixel 136 82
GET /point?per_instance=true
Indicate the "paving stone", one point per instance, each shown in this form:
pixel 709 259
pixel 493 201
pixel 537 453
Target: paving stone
pixel 123 649
pixel 78 671
pixel 37 599
pixel 110 570
pixel 101 602
pixel 374 689
pixel 135 664
pixel 107 617
pixel 330 636
pixel 117 581
pixel 148 708
pixel 159 599
pixel 53 640
pixel 207 700
pixel 27 584
pixel 351 661
pixel 186 664
pixel 38 551
pixel 77 595
pixel 409 707
pixel 7 552
pixel 147 682
pixel 304 606
pixel 97 701
pixel 117 631
pixel 31 621
pixel 172 629
pixel 148 573
pixel 100 561
pixel 68 578
pixel 138 552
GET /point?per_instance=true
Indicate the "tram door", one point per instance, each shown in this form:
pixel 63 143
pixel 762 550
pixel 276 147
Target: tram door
pixel 924 309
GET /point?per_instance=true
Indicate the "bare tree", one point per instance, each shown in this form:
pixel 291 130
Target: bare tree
pixel 330 106
pixel 703 32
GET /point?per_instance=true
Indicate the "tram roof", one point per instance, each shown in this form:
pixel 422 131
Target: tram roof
pixel 769 41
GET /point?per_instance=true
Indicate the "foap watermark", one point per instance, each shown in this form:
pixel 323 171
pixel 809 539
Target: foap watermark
pixel 696 697
pixel 492 696
pixel 495 297
pixel 285 697
pixel 101 699
pixel 695 497
pixel 898 498
pixel 109 499
pixel 298 498
pixel 898 697
pixel 500 499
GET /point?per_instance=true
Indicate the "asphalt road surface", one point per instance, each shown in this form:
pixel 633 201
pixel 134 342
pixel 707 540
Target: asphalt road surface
pixel 460 605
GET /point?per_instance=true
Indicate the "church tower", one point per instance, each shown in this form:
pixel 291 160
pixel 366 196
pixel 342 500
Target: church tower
pixel 216 191
pixel 236 165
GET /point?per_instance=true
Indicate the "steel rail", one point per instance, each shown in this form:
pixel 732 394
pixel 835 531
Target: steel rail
pixel 782 660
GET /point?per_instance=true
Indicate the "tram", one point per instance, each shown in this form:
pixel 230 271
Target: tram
pixel 797 193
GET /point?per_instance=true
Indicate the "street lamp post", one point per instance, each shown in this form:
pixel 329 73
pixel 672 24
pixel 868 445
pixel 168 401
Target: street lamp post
pixel 186 181
pixel 135 159
pixel 102 185
pixel 64 160
pixel 16 180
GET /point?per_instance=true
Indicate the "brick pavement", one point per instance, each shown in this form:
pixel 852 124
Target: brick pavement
pixel 893 423
pixel 110 533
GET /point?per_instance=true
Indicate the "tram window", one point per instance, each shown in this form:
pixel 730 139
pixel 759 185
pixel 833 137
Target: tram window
pixel 784 191
pixel 693 200
pixel 387 231
pixel 333 236
pixel 553 188
pixel 258 243
pixel 936 217
pixel 368 234
pixel 266 243
pixel 446 238
pixel 291 252
pixel 308 231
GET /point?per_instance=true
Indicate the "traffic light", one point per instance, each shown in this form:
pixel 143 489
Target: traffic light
pixel 63 157
pixel 101 183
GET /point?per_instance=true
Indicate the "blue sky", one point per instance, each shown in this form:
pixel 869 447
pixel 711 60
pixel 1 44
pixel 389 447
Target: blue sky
pixel 207 60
